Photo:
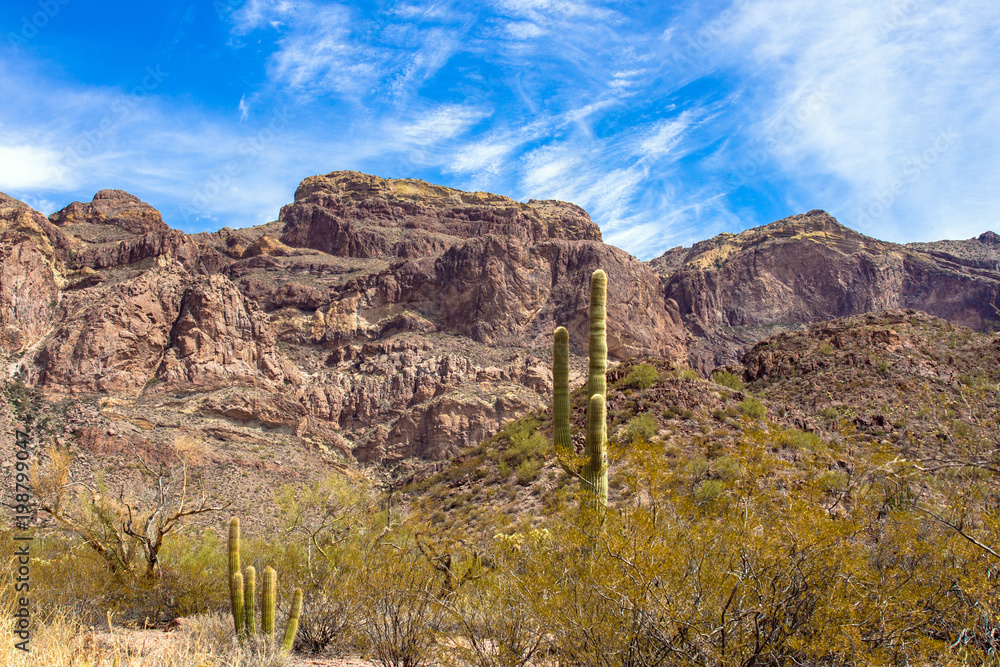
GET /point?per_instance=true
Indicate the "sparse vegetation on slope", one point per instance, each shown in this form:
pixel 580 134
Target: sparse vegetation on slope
pixel 777 523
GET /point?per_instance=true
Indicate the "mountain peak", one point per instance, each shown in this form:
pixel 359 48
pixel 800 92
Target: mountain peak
pixel 116 195
pixel 112 207
pixel 351 214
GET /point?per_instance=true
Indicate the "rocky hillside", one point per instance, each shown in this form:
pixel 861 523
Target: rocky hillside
pixel 393 321
pixel 376 320
pixel 736 289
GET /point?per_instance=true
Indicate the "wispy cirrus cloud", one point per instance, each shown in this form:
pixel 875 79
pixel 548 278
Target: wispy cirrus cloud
pixel 879 109
pixel 669 122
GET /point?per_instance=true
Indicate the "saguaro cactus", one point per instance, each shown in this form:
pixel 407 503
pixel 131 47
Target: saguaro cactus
pixel 593 473
pixel 242 592
pixel 267 602
pixel 293 624
pixel 250 623
pixel 235 589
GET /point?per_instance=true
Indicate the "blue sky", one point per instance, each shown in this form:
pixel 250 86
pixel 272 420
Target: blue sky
pixel 669 122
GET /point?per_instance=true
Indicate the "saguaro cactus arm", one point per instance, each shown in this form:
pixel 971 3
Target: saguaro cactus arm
pixel 595 471
pixel 267 602
pixel 293 624
pixel 235 590
pixel 238 610
pixel 250 622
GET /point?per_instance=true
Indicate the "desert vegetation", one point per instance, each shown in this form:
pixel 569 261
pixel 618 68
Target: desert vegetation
pixel 825 512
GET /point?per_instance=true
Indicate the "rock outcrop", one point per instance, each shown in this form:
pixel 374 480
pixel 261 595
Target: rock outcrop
pixel 31 254
pixel 219 339
pixel 349 214
pixel 111 339
pixel 382 319
pixel 734 290
pixel 116 208
pixel 117 229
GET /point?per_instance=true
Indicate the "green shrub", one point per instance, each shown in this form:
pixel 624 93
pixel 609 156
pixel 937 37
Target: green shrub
pixel 833 480
pixel 752 408
pixel 528 471
pixel 708 491
pixel 727 379
pixel 525 443
pixel 727 468
pixel 688 374
pixel 826 349
pixel 641 376
pixel 642 427
pixel 798 440
pixel 959 428
pixel 830 413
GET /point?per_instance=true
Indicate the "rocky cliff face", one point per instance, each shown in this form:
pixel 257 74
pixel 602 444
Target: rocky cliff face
pixel 391 320
pixel 734 290
pixel 32 253
pixel 349 214
pixel 381 319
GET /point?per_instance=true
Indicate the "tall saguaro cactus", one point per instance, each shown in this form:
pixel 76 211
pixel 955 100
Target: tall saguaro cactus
pixel 593 473
pixel 235 575
pixel 242 591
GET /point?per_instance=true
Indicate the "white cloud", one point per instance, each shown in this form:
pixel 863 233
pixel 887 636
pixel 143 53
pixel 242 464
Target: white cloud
pixel 324 57
pixel 482 156
pixel 854 92
pixel 665 136
pixel 437 125
pixel 27 166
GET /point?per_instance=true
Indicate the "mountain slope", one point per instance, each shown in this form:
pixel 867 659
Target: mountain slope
pixel 734 290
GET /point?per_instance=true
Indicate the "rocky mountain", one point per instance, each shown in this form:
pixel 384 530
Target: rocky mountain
pixel 736 289
pixel 395 320
pixel 375 320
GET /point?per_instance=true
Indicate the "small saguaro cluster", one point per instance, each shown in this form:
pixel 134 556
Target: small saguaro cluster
pixel 593 472
pixel 242 591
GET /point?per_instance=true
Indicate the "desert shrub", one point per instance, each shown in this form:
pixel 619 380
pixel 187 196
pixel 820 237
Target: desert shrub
pixel 525 442
pixel 640 376
pixel 798 440
pixel 688 374
pixel 727 379
pixel 826 349
pixel 726 468
pixel 528 471
pixel 398 606
pixel 640 427
pixel 708 491
pixel 832 480
pixel 830 413
pixel 494 624
pixel 752 408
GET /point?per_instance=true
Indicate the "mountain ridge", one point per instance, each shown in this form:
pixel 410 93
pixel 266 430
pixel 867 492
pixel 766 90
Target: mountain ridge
pixel 396 322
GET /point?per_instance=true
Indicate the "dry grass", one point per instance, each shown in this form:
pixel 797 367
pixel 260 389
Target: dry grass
pixel 207 641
